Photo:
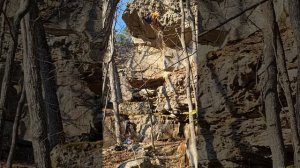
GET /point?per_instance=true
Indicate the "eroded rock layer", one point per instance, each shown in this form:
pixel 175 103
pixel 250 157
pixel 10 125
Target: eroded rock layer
pixel 231 123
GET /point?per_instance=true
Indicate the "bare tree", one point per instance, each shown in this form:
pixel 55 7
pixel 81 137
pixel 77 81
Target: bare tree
pixel 286 85
pixel 294 11
pixel 269 88
pixel 47 71
pixel 192 20
pixel 109 10
pixel 32 83
pixel 6 81
pixel 118 83
pixel 151 120
pixel 20 107
pixel 3 4
pixel 113 78
pixel 114 99
pixel 192 145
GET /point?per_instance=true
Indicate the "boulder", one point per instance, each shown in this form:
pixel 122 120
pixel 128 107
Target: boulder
pixel 142 162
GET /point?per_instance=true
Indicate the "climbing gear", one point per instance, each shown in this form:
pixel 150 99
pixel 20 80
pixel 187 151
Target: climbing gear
pixel 190 113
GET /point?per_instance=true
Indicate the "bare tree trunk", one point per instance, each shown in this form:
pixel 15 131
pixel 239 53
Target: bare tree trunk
pixel 16 128
pixel 32 83
pixel 104 84
pixel 294 11
pixel 109 8
pixel 5 2
pixel 115 101
pixel 270 94
pixel 198 60
pixel 2 113
pixel 113 85
pixel 118 83
pixel 193 142
pixel 47 71
pixel 2 3
pixel 24 7
pixel 151 120
pixel 192 21
pixel 285 83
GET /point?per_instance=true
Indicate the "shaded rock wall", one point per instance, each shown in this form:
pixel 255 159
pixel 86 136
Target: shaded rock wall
pixel 231 116
pixel 77 33
pixel 213 13
pixel 231 122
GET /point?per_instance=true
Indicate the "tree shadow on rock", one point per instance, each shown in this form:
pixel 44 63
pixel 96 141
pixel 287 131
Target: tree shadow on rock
pixel 247 156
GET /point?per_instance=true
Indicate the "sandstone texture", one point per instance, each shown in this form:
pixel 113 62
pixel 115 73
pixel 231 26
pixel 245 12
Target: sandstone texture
pixel 231 130
pixel 77 34
pixel 231 122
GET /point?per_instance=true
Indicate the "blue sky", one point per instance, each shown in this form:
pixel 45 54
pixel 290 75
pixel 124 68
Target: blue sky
pixel 120 23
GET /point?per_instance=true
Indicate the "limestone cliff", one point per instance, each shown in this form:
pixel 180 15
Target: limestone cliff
pixel 77 34
pixel 232 130
pixel 231 126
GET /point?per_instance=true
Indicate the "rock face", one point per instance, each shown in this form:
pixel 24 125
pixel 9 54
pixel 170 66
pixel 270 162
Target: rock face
pixel 213 13
pixel 82 154
pixel 231 118
pixel 77 33
pixel 231 122
pixel 169 19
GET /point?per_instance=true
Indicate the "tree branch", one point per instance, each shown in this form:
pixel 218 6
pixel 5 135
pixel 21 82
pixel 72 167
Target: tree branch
pixel 232 18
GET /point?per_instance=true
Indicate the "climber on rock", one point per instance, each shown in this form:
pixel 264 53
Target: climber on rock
pixel 151 18
pixel 147 18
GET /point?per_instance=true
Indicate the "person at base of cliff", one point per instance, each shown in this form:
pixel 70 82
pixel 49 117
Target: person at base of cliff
pixel 151 18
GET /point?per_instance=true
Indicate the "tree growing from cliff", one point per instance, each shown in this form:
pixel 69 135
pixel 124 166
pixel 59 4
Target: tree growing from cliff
pixel 115 88
pixel 294 11
pixel 3 6
pixel 192 142
pixel 269 86
pixel 285 83
pixel 47 72
pixel 286 86
pixel 109 8
pixel 13 44
pixel 33 89
pixel 19 111
pixel 192 21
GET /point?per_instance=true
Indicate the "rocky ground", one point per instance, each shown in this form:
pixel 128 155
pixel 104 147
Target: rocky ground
pixel 89 154
pixel 17 165
pixel 164 155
